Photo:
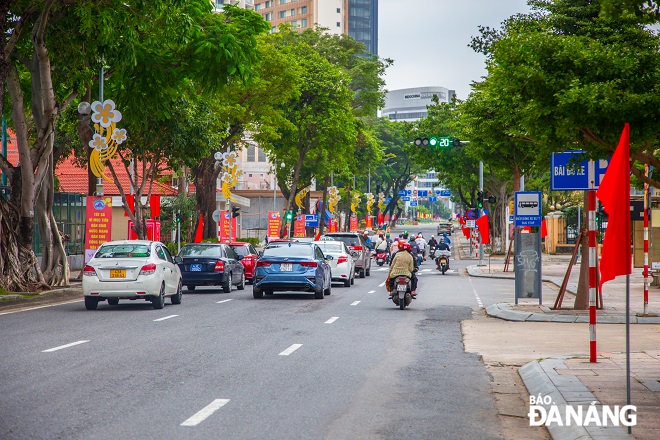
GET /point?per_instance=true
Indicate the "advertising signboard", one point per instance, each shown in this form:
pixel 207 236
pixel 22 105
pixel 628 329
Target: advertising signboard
pixel 99 224
pixel 353 224
pixel 223 227
pixel 299 226
pixel 274 219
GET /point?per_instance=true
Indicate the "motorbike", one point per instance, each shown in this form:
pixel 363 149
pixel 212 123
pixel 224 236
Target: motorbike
pixel 401 292
pixel 432 253
pixel 381 257
pixel 442 262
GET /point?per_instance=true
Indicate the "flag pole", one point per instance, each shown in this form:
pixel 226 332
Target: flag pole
pixel 628 348
pixel 592 275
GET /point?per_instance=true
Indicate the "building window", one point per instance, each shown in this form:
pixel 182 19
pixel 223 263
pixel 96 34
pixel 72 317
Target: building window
pixel 262 155
pixel 282 2
pixel 338 10
pixel 294 24
pixel 258 6
pixel 282 14
pixel 267 4
pixel 303 10
pixel 293 12
pixel 338 24
pixel 250 153
pixel 268 16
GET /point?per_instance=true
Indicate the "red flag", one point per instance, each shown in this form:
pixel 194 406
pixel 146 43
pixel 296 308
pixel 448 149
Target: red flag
pixel 484 229
pixel 130 201
pixel 199 233
pixel 154 204
pixel 544 229
pixel 614 194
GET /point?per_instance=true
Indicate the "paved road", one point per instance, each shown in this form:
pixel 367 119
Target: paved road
pixel 350 366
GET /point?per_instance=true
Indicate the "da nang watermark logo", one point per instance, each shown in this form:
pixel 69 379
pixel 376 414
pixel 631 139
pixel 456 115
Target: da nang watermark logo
pixel 543 411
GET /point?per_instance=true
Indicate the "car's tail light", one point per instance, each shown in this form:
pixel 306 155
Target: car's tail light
pixel 342 259
pixel 148 269
pixel 219 266
pixel 89 271
pixel 263 263
pixel 309 263
pixel 355 248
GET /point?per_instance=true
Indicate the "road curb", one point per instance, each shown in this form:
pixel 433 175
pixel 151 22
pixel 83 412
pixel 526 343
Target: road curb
pixel 505 312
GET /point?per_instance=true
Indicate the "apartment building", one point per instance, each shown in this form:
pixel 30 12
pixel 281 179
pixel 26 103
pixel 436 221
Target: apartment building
pixel 330 14
pixel 218 4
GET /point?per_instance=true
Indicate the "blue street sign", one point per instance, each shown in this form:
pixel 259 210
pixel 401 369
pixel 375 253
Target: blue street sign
pixel 445 193
pixel 423 193
pixel 388 200
pixel 405 199
pixel 567 173
pixel 471 214
pixel 401 192
pixel 433 199
pixel 413 203
pixel 438 192
pixel 527 208
pixel 408 191
pixel 311 220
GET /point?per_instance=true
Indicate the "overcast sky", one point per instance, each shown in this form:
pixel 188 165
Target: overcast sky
pixel 428 40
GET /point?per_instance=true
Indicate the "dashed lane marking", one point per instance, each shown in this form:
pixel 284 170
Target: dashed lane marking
pixel 291 349
pixel 476 295
pixel 371 291
pixel 224 301
pixel 331 320
pixel 166 317
pixel 50 350
pixel 381 284
pixel 205 412
pixel 355 303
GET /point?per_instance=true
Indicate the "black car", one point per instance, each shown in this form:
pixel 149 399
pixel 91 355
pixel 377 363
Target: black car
pixel 211 264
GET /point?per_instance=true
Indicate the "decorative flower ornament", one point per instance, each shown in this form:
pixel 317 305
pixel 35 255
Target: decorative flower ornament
pixel 105 113
pixel 98 142
pixel 230 159
pixel 119 135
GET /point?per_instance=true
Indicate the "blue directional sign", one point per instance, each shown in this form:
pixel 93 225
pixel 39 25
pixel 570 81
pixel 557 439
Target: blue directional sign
pixel 408 191
pixel 413 203
pixel 527 208
pixel 433 199
pixel 388 200
pixel 423 193
pixel 311 220
pixel 401 192
pixel 568 173
pixel 438 192
pixel 405 199
pixel 445 193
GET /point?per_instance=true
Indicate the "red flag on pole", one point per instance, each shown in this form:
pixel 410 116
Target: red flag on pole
pixel 484 229
pixel 199 233
pixel 544 228
pixel 614 194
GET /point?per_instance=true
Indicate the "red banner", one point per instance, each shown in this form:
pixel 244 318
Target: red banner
pixel 380 218
pixel 153 230
pixel 99 224
pixel 368 222
pixel 333 226
pixel 299 226
pixel 353 224
pixel 274 219
pixel 223 227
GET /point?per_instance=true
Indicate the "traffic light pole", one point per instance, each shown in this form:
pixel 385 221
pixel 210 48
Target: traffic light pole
pixel 178 231
pixel 231 219
pixel 481 212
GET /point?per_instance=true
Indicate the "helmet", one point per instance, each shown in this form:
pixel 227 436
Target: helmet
pixel 381 235
pixel 406 246
pixel 387 235
pixel 442 239
pixel 405 234
pixel 432 236
pixel 402 245
pixel 396 238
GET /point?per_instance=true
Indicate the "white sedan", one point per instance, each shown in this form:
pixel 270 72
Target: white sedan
pixel 342 264
pixel 131 269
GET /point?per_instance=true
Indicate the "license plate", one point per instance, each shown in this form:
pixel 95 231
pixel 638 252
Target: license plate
pixel 195 267
pixel 118 273
pixel 401 287
pixel 286 267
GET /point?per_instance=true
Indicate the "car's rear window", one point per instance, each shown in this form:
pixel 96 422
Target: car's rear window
pixel 241 250
pixel 201 251
pixel 123 251
pixel 348 240
pixel 284 250
pixel 330 247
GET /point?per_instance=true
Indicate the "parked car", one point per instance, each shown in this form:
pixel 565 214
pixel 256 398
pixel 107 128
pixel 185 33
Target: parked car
pixel 342 264
pixel 358 247
pixel 445 227
pixel 131 269
pixel 293 267
pixel 211 264
pixel 249 257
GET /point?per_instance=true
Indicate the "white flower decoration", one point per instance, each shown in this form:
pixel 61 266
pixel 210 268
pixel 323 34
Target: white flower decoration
pixel 230 159
pixel 226 177
pixel 105 113
pixel 119 135
pixel 98 142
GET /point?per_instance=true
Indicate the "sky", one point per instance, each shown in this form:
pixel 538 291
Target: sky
pixel 428 40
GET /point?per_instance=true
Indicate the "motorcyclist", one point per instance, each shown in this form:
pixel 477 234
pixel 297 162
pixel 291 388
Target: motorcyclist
pixel 432 242
pixel 381 243
pixel 403 264
pixel 367 240
pixel 415 251
pixel 447 240
pixel 442 246
pixel 421 242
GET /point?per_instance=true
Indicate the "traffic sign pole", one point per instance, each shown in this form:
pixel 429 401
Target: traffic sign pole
pixel 592 276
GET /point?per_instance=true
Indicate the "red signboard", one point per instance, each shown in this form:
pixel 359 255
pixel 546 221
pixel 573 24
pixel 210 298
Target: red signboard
pixel 153 230
pixel 274 219
pixel 353 225
pixel 333 226
pixel 299 226
pixel 369 222
pixel 223 227
pixel 98 224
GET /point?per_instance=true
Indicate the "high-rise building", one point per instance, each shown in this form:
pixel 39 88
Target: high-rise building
pixel 301 14
pixel 363 23
pixel 247 4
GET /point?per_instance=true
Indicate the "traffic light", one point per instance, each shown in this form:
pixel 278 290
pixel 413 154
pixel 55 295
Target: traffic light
pixel 480 200
pixel 288 216
pixel 235 211
pixel 177 219
pixel 492 200
pixel 436 141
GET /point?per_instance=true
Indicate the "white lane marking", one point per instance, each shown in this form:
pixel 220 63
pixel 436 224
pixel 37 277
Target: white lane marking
pixel 50 350
pixel 380 269
pixel 331 320
pixel 40 307
pixel 355 303
pixel 371 291
pixel 224 301
pixel 481 305
pixel 291 349
pixel 205 412
pixel 426 270
pixel 381 284
pixel 166 317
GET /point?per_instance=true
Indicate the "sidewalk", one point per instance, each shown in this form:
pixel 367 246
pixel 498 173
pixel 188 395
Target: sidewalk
pixel 572 380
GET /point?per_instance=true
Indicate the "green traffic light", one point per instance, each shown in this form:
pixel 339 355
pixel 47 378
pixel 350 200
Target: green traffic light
pixel 433 141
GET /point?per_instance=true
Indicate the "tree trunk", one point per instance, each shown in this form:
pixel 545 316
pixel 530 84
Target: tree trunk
pixel 206 177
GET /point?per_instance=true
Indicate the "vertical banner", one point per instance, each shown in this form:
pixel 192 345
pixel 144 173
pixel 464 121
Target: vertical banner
pixel 380 219
pixel 274 219
pixel 223 227
pixel 368 222
pixel 333 226
pixel 353 224
pixel 99 224
pixel 299 226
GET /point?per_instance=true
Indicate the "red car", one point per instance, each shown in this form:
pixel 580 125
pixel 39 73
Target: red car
pixel 249 257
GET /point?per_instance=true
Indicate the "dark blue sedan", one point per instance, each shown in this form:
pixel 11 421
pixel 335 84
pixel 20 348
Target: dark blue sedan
pixel 294 266
pixel 211 264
